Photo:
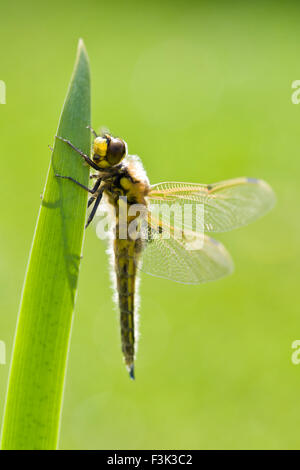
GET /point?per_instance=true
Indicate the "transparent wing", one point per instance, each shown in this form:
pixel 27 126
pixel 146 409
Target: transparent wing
pixel 226 205
pixel 189 258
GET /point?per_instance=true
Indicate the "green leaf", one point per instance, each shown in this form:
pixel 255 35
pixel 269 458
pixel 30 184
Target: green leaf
pixel 35 390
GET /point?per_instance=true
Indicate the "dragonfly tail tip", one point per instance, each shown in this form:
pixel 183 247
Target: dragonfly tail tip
pixel 131 372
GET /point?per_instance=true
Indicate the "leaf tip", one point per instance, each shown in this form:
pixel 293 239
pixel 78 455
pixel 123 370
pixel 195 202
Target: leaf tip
pixel 81 52
pixel 81 46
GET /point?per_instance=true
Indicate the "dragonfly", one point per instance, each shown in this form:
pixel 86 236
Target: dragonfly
pixel 167 246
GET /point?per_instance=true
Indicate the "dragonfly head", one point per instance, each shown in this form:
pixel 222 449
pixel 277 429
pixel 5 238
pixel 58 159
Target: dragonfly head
pixel 108 151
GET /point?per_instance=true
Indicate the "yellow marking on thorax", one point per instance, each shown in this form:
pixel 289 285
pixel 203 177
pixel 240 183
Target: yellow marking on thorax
pixel 125 183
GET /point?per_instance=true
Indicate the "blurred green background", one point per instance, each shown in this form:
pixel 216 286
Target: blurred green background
pixel 202 92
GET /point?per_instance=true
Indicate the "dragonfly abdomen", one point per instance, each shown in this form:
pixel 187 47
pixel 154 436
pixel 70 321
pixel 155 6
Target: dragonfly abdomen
pixel 126 259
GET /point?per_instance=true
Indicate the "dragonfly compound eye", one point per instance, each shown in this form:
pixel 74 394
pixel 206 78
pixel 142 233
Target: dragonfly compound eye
pixel 116 151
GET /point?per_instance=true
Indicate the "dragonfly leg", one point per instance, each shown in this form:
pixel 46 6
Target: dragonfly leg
pixel 92 199
pixel 92 191
pixel 74 181
pixel 93 211
pixel 84 156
